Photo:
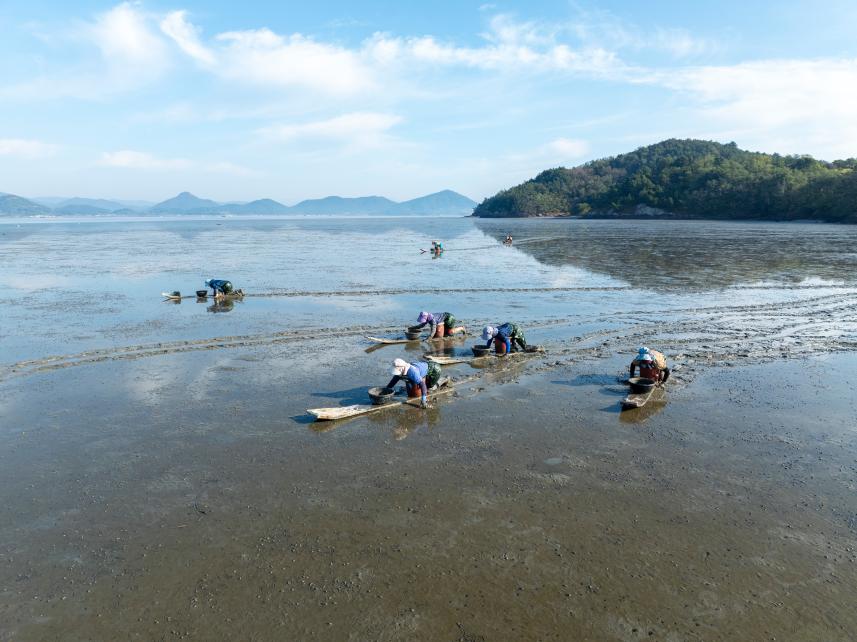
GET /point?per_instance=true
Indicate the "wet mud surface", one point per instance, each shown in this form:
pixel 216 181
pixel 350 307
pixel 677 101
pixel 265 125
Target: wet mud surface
pixel 530 508
pixel 161 479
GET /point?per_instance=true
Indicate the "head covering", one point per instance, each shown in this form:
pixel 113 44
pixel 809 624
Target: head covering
pixel 423 317
pixel 208 282
pixel 400 367
pixel 488 331
pixel 645 357
pixel 643 350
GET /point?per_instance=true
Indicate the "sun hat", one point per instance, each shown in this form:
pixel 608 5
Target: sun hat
pixel 646 357
pixel 423 317
pixel 400 367
pixel 643 350
pixel 208 282
pixel 488 331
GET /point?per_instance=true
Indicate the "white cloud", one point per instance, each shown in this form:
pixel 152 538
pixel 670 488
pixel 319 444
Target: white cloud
pixel 790 106
pixel 265 58
pixel 510 46
pixel 125 38
pixel 679 43
pixel 566 148
pixel 186 36
pixel 130 159
pixel 359 129
pixel 23 148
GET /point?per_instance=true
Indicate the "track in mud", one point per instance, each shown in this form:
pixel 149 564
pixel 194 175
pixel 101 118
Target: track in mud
pixel 692 337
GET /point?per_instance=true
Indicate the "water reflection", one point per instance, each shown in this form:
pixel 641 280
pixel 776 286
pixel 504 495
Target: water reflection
pixel 222 305
pixel 691 255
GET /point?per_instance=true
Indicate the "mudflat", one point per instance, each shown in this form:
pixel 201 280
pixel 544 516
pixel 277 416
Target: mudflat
pixel 174 487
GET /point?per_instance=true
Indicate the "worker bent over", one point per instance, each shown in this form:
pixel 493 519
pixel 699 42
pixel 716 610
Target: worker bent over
pixel 418 376
pixel 510 333
pixel 441 324
pixel 652 364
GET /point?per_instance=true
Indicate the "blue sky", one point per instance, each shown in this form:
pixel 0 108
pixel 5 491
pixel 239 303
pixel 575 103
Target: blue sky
pixel 286 100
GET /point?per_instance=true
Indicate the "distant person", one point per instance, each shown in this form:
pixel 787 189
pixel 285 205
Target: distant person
pixel 221 288
pixel 510 333
pixel 441 324
pixel 652 365
pixel 508 240
pixel 419 374
pixel 436 247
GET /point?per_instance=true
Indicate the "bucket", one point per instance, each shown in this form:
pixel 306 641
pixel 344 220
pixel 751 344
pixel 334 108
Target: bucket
pixel 202 293
pixel 413 335
pixel 500 346
pixel 381 396
pixel 480 351
pixel 641 385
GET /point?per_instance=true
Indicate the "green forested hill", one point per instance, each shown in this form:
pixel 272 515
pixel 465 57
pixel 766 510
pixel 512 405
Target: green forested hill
pixel 688 179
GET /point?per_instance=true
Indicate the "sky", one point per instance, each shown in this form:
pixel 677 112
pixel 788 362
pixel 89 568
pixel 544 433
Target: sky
pixel 291 100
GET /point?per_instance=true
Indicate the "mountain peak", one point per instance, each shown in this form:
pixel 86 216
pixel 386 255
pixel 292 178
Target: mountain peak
pixel 184 202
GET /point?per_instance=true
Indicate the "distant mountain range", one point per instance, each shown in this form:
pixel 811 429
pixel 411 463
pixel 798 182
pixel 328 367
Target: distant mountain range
pixel 445 203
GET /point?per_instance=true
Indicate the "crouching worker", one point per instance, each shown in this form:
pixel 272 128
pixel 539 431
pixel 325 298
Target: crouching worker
pixel 509 334
pixel 221 288
pixel 441 324
pixel 652 364
pixel 419 377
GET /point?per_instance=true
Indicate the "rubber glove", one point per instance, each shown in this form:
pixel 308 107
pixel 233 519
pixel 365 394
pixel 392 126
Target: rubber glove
pixel 424 402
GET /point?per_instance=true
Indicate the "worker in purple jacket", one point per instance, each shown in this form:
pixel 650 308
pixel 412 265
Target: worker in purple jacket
pixel 441 324
pixel 419 374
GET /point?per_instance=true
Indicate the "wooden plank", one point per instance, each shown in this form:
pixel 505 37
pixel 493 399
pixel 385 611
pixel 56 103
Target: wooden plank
pixel 448 361
pixel 637 400
pixel 344 412
pixel 172 297
pixel 390 341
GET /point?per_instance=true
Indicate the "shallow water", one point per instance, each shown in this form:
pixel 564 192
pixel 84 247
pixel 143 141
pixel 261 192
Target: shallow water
pixel 160 478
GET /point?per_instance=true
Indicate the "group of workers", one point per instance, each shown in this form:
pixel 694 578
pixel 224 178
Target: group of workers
pixel 422 376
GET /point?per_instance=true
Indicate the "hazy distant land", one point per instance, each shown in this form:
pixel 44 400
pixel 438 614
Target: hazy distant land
pixel 444 203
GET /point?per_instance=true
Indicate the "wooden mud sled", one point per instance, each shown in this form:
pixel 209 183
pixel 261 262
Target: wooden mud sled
pixel 389 342
pixel 448 361
pixel 443 387
pixel 640 399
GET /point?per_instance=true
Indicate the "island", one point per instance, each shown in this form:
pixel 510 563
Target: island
pixel 688 179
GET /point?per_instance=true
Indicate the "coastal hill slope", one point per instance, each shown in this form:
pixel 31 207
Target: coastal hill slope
pixel 688 179
pixel 17 206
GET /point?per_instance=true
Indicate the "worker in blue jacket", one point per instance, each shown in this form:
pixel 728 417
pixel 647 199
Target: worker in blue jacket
pixel 219 287
pixel 510 333
pixel 419 374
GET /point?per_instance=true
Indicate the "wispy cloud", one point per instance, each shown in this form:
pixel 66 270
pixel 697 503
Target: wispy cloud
pixel 124 35
pixel 359 129
pixel 557 152
pixel 265 58
pixel 23 148
pixel 792 106
pixel 186 36
pixel 130 159
pixel 130 53
pixel 509 46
